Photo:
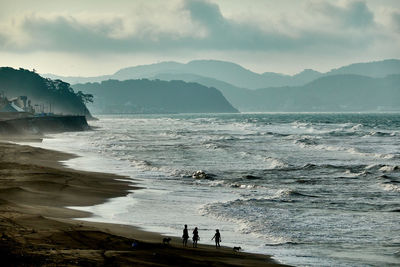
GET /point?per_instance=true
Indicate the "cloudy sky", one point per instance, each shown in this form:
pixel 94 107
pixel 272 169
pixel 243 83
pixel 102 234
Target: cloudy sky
pixel 85 38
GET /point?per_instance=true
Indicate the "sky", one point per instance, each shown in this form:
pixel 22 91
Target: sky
pixel 96 37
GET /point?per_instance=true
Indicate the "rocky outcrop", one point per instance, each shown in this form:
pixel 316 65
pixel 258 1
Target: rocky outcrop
pixel 43 125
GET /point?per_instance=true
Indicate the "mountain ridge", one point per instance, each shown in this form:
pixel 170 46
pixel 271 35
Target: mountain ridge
pixel 259 99
pixel 333 93
pixel 239 76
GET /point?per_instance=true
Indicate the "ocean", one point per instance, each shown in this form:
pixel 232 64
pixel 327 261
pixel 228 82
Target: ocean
pixel 310 189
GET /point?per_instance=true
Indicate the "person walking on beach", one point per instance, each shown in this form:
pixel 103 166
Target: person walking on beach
pixel 217 238
pixel 185 236
pixel 196 237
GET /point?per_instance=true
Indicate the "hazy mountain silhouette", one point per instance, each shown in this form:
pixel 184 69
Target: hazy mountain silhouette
pixel 77 79
pixel 42 91
pixel 146 96
pixel 305 91
pixel 328 93
pixel 146 71
pixel 332 93
pixel 238 76
pixel 376 69
pixel 224 71
pixel 221 70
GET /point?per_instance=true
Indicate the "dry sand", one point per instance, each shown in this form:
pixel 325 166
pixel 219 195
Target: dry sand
pixel 37 230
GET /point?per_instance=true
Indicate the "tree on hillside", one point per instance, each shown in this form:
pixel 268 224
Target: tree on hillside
pixel 85 98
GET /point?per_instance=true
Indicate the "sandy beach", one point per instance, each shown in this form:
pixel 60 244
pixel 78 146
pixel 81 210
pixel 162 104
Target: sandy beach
pixel 36 228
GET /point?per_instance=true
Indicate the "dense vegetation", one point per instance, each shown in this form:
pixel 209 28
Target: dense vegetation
pixel 145 96
pixel 43 92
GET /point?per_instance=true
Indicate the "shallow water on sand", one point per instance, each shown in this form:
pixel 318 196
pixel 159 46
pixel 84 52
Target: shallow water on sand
pixel 310 189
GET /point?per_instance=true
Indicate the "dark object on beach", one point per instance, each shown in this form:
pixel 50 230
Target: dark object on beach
pixel 135 243
pixel 237 249
pixel 217 238
pixel 185 236
pixel 196 237
pixel 166 240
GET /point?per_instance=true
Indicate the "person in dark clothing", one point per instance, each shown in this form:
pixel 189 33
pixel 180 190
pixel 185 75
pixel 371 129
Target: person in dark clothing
pixel 196 237
pixel 185 236
pixel 217 238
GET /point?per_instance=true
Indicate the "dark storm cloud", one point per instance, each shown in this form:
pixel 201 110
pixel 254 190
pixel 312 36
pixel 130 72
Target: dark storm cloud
pixel 396 21
pixel 65 33
pixel 228 34
pixel 356 14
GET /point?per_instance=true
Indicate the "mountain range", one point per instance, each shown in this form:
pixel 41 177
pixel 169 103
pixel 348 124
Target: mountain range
pixel 238 76
pixel 250 91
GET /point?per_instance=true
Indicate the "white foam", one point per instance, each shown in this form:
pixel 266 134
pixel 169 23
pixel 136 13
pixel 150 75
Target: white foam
pixel 388 168
pixel 357 127
pixel 390 187
pixel 372 166
pixel 275 163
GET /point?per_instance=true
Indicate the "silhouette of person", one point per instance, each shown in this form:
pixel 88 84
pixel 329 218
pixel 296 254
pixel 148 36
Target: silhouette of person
pixel 185 236
pixel 196 237
pixel 217 238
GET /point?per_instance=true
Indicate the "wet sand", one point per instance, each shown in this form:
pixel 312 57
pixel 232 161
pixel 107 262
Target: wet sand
pixel 36 228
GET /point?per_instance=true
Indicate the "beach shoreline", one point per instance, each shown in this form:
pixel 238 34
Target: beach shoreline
pixel 37 228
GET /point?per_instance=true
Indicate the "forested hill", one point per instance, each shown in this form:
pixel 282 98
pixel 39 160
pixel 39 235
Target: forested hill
pixel 43 91
pixel 155 96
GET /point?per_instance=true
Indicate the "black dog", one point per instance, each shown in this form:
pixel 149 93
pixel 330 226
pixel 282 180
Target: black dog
pixel 166 240
pixel 237 249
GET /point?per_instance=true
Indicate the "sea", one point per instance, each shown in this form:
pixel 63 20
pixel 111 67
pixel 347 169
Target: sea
pixel 310 189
